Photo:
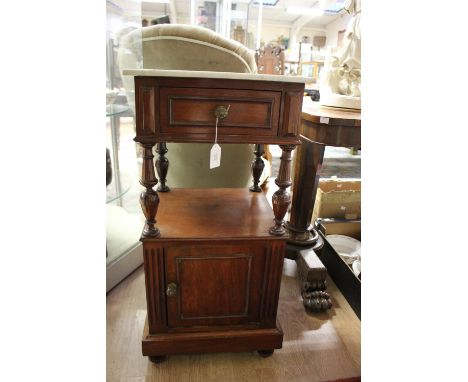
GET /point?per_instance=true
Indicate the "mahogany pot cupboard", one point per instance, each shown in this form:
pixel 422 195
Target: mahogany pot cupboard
pixel 213 258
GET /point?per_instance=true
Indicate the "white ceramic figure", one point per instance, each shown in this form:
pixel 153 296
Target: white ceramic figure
pixel 341 82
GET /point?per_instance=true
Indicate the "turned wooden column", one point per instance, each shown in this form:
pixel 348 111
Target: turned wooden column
pixel 257 167
pixel 149 199
pixel 162 165
pixel 282 198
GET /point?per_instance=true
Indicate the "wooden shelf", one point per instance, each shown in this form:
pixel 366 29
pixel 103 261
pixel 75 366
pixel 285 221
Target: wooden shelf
pixel 213 213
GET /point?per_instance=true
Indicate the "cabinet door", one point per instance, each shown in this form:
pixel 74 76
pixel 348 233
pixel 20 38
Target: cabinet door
pixel 214 285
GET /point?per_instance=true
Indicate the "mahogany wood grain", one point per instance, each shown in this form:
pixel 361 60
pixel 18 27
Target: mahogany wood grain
pixel 162 166
pixel 257 168
pixel 312 112
pixel 261 112
pixel 281 198
pixel 319 127
pixel 214 213
pixel 217 284
pixel 213 265
pixel 309 159
pixel 211 342
pixel 149 199
pixel 153 257
pixel 190 110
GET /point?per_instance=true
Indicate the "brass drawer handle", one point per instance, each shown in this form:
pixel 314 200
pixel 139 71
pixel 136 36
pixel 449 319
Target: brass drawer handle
pixel 171 290
pixel 221 112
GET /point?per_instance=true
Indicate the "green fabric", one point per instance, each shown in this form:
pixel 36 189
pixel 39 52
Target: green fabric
pixel 189 166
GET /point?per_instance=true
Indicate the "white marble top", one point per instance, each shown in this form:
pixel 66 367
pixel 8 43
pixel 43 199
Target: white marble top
pixel 207 74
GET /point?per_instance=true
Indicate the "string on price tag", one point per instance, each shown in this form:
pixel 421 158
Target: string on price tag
pixel 215 152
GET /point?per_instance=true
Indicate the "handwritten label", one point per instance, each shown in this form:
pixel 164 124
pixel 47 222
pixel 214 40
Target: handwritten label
pixel 215 156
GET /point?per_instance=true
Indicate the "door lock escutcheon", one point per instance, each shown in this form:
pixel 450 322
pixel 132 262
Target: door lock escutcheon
pixel 171 289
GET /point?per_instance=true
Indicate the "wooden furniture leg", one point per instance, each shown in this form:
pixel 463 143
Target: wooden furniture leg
pixel 157 358
pixel 281 198
pixel 162 166
pixel 149 198
pixel 257 168
pixel 308 162
pixel 313 275
pixel 265 353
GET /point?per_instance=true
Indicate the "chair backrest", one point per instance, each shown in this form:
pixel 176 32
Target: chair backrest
pixel 270 59
pixel 187 47
pixel 181 47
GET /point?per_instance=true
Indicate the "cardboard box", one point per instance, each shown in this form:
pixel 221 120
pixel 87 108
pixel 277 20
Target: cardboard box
pixel 338 199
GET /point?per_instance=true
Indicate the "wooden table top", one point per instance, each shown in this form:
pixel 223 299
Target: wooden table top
pixel 312 111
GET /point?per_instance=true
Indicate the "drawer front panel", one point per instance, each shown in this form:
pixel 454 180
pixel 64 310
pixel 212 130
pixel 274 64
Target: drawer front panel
pixel 191 111
pixel 216 285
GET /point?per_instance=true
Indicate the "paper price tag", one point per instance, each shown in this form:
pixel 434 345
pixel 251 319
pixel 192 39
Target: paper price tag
pixel 324 120
pixel 215 156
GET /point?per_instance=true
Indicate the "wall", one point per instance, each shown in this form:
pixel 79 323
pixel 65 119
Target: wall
pixel 334 27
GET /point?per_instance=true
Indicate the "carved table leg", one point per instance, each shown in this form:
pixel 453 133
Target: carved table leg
pixel 162 165
pixel 149 199
pixel 309 159
pixel 281 198
pixel 313 275
pixel 257 168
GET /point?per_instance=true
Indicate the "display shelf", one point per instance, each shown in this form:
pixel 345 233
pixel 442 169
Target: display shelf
pixel 213 213
pixel 119 186
pixel 115 109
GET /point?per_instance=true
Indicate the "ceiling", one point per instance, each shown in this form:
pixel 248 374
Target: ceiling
pixel 275 15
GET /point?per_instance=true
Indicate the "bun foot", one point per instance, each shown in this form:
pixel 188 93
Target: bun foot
pixel 265 353
pixel 157 358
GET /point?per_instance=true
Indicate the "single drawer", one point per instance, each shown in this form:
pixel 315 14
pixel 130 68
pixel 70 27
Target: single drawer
pixel 191 111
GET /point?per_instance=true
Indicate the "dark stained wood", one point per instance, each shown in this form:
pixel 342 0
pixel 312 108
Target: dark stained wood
pixel 213 265
pixel 320 126
pixel 185 110
pixel 281 198
pixel 271 289
pixel 292 121
pixel 265 353
pixel 257 168
pixel 162 166
pixel 217 284
pixel 261 112
pixel 237 340
pixel 317 301
pixel 312 111
pixel 145 110
pixel 214 213
pixel 309 159
pixel 313 275
pixel 157 358
pixel 153 257
pixel 149 199
pixel 332 135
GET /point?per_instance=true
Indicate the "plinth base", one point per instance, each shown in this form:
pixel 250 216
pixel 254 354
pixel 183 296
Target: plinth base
pixel 264 340
pixel 309 238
